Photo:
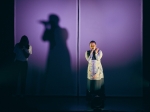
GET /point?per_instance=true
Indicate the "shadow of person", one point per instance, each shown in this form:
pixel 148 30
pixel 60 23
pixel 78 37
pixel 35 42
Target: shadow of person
pixel 57 78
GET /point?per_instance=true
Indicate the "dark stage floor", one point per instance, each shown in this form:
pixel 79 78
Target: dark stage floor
pixel 49 103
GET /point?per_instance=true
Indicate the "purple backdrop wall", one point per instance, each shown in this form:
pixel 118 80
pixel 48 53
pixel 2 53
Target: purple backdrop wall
pixel 28 14
pixel 116 26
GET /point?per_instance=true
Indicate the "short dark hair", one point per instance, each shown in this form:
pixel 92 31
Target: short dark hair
pixel 92 42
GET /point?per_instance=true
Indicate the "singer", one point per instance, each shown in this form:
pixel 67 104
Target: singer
pixel 95 76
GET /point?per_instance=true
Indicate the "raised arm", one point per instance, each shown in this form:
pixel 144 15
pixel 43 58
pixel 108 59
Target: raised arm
pixel 27 52
pixel 99 55
pixel 88 58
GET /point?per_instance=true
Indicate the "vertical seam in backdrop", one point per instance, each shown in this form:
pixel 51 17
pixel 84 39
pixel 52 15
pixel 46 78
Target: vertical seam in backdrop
pixel 78 50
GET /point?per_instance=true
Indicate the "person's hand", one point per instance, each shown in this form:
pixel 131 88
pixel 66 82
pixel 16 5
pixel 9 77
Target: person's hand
pixel 96 50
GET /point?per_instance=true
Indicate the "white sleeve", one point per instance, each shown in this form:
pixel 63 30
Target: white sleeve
pixel 29 51
pixel 99 55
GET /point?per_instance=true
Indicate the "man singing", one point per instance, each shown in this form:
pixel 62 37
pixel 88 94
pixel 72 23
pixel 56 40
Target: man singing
pixel 95 76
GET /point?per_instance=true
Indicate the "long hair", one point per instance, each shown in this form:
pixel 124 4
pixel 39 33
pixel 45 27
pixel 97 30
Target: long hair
pixel 24 41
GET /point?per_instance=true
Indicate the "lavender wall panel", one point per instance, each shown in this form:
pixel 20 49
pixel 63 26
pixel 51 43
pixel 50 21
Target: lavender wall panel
pixel 116 26
pixel 58 76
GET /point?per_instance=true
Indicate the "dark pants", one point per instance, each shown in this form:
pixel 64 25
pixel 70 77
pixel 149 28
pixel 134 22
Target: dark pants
pixel 95 88
pixel 20 70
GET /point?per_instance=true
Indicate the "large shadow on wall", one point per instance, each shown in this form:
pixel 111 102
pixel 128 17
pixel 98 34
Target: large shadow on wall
pixel 58 74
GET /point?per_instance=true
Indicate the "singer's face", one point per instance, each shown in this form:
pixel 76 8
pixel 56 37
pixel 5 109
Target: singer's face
pixel 92 46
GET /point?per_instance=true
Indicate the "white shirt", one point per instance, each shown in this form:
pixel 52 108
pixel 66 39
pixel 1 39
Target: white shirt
pixel 19 53
pixel 94 66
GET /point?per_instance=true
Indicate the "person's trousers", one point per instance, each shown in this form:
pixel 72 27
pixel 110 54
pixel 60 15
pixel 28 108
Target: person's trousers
pixel 20 70
pixel 95 88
